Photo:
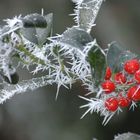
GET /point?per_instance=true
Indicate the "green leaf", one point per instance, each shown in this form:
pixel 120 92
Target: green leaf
pixel 37 28
pixel 117 55
pixel 76 37
pixel 115 49
pixel 97 59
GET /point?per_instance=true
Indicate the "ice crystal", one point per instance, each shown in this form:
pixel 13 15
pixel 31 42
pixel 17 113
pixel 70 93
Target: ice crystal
pixel 97 105
pixel 12 25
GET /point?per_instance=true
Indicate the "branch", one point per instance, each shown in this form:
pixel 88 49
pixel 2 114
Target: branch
pixel 10 90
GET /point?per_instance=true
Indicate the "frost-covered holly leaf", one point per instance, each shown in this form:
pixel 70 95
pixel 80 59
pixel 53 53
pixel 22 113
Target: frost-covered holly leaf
pixel 37 28
pixel 127 136
pixel 76 37
pixel 34 20
pixel 96 58
pixel 86 12
pixel 117 55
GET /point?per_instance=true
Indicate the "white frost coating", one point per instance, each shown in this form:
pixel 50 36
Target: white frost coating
pixel 77 1
pixel 16 21
pixel 97 105
pixel 127 136
pixel 10 90
pixel 86 12
pixel 13 25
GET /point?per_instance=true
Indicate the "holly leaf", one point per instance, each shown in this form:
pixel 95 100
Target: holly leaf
pixel 34 20
pixel 87 12
pixel 76 37
pixel 117 55
pixel 97 59
pixel 37 28
pixel 114 50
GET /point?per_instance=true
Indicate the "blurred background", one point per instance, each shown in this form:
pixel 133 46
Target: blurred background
pixel 36 115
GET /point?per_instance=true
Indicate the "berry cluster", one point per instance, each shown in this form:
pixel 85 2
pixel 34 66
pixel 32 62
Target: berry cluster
pixel 122 89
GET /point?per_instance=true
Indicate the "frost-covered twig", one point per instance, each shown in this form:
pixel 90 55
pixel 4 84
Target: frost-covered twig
pixel 9 90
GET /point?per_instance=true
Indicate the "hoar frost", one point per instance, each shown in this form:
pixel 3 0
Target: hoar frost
pixel 64 58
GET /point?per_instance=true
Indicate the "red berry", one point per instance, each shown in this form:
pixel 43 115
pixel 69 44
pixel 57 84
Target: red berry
pixel 108 73
pixel 131 66
pixel 137 76
pixel 111 104
pixel 134 93
pixel 123 102
pixel 108 86
pixel 120 78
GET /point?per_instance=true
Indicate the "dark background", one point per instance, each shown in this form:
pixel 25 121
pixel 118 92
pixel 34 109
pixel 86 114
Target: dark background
pixel 36 115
